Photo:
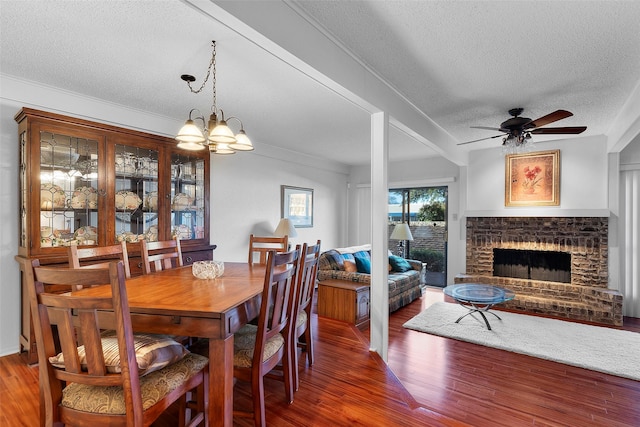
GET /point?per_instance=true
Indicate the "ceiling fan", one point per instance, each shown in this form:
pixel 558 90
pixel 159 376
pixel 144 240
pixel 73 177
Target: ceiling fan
pixel 518 130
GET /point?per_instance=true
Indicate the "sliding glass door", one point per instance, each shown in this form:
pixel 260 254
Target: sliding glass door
pixel 424 210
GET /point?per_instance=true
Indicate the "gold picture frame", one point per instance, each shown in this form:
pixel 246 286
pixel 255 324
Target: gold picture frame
pixel 532 179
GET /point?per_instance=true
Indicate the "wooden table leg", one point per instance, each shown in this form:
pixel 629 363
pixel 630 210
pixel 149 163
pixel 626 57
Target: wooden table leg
pixel 221 382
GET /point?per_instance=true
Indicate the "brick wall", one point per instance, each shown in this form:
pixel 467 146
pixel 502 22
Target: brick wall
pixel 586 239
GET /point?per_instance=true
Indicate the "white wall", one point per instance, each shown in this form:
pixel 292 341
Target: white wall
pixel 245 187
pixel 245 199
pixel 583 180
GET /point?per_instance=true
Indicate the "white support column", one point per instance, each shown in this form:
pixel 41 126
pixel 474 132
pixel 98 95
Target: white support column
pixel 379 292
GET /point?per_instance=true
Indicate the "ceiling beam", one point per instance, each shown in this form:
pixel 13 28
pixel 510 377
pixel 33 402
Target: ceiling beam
pixel 282 30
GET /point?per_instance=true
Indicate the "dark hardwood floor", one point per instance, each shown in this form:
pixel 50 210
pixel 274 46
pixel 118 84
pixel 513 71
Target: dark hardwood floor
pixel 483 386
pixel 433 381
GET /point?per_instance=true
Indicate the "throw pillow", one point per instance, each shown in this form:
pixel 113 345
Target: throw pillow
pixel 349 263
pixel 399 264
pixel 331 259
pixel 153 352
pixel 363 262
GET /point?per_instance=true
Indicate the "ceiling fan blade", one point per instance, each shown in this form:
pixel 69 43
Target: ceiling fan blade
pixel 566 130
pixel 549 118
pixel 485 127
pixel 481 139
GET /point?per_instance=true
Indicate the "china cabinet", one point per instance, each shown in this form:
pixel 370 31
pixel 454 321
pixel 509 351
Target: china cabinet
pixel 87 183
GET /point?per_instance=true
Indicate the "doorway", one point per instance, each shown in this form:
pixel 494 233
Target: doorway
pixel 424 210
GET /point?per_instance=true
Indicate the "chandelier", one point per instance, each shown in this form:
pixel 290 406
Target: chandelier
pixel 216 134
pixel 516 143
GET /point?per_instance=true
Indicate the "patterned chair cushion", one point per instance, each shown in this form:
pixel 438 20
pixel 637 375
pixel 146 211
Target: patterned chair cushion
pixel 153 352
pixel 302 318
pixel 244 342
pixel 154 387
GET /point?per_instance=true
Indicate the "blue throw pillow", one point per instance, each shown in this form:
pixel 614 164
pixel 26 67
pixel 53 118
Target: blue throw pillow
pixel 363 262
pixel 399 264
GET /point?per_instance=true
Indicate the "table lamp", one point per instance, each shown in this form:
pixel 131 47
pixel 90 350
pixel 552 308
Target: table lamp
pixel 401 232
pixel 285 228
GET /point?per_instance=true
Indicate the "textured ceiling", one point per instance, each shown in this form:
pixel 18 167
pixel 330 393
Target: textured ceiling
pixel 462 63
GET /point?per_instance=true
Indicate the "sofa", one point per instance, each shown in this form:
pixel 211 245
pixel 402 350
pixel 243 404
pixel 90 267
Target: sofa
pixel 353 264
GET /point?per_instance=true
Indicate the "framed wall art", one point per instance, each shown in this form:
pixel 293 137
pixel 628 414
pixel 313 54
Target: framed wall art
pixel 532 179
pixel 297 205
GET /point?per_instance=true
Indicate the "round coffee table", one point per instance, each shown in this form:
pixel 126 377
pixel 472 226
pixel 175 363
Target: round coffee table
pixel 478 298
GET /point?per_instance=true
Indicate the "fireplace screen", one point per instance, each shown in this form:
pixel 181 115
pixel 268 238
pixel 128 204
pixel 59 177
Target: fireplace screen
pixel 549 266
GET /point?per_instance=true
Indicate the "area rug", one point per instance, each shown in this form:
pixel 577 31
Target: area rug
pixel 602 349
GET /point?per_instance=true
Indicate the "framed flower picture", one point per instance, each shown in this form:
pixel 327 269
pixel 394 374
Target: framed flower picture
pixel 532 179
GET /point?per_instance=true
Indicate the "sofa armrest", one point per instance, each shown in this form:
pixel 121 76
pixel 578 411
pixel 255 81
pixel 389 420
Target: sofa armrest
pixel 344 275
pixel 415 264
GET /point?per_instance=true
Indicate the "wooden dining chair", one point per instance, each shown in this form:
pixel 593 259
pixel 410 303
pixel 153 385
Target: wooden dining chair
pixel 115 378
pixel 163 255
pixel 260 247
pixel 305 284
pixel 259 348
pixel 99 256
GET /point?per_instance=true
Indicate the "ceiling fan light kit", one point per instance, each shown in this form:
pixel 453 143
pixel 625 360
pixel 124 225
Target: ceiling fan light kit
pixel 517 131
pixel 216 134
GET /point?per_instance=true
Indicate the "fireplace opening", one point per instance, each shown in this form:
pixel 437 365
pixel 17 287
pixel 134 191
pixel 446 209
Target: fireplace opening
pixel 549 266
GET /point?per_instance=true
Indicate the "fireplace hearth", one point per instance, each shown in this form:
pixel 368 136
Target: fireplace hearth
pixel 556 266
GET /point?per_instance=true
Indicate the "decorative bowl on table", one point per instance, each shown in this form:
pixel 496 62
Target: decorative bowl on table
pixel 207 269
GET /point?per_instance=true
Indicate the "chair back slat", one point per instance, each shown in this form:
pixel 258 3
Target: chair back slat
pixel 99 256
pixel 163 255
pixel 260 246
pixel 279 289
pixel 307 274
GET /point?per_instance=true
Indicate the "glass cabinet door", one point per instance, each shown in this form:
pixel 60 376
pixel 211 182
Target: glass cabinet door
pixel 69 195
pixel 136 194
pixel 187 196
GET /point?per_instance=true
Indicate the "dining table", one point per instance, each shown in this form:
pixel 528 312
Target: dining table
pixel 176 302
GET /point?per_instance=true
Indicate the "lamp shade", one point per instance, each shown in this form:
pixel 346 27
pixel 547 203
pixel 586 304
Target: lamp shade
pixel 222 133
pixel 243 143
pixel 190 133
pixel 285 228
pixel 401 232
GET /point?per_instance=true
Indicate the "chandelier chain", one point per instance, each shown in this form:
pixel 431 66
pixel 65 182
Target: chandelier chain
pixel 212 66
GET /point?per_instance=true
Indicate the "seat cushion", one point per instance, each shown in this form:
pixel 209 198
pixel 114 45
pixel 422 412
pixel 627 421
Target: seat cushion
pixel 153 352
pixel 302 318
pixel 244 342
pixel 154 387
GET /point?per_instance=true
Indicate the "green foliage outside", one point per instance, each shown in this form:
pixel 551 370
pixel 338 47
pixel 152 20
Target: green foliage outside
pixel 433 259
pixel 432 212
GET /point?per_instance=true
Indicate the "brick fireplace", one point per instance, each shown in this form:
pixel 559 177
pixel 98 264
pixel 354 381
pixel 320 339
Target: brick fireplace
pixel 583 240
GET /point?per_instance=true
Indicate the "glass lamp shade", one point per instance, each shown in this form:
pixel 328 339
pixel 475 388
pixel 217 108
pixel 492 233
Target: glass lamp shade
pixel 190 133
pixel 222 133
pixel 243 143
pixel 285 228
pixel 221 148
pixel 192 146
pixel 401 232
